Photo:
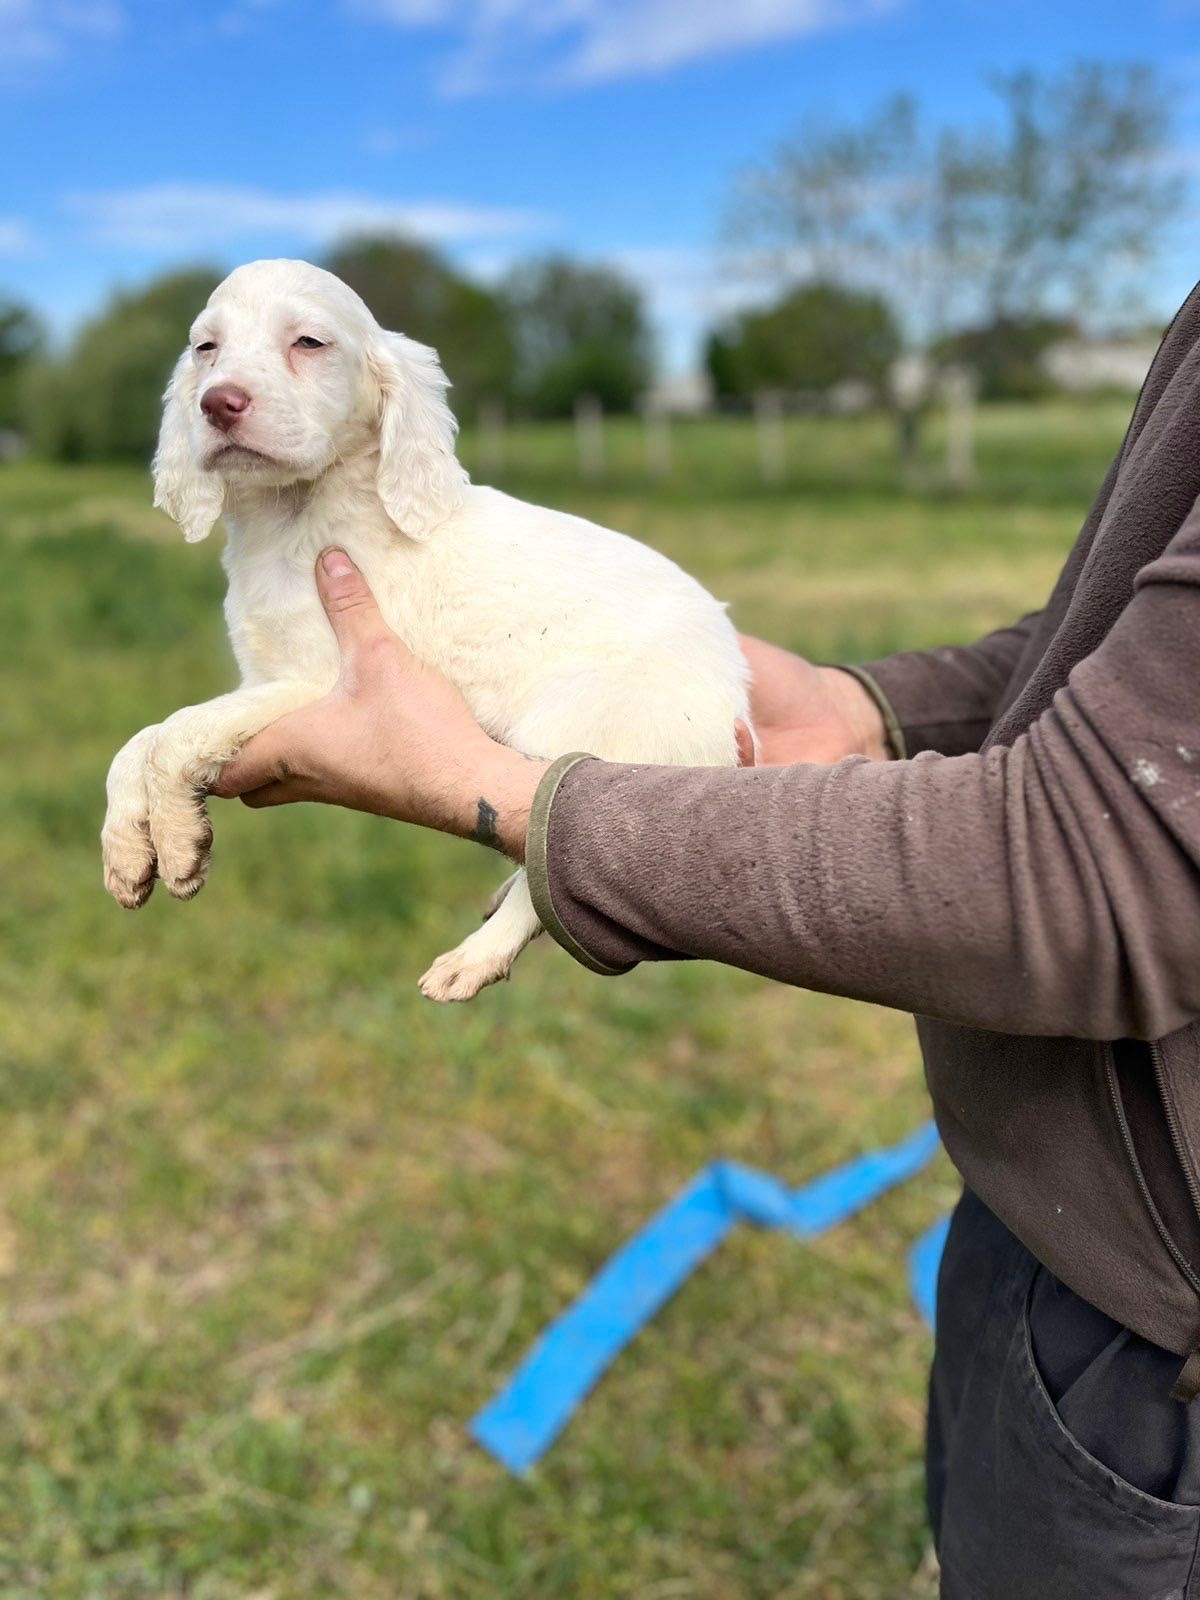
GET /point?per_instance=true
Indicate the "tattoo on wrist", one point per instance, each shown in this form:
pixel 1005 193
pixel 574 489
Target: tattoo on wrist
pixel 485 826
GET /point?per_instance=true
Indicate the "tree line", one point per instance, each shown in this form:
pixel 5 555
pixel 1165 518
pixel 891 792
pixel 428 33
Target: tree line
pixel 977 245
pixel 555 329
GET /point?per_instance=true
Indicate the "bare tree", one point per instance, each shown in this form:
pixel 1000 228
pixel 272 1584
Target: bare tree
pixel 827 202
pixel 1061 201
pixel 1073 197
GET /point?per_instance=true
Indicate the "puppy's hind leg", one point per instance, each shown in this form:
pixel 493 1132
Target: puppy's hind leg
pixel 501 894
pixel 487 954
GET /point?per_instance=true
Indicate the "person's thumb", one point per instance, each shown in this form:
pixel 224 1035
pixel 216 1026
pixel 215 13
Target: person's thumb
pixel 349 604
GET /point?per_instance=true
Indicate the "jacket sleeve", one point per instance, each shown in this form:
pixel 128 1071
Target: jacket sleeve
pixel 1050 887
pixel 945 699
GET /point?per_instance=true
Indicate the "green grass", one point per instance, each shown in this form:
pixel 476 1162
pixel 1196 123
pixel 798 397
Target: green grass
pixel 271 1227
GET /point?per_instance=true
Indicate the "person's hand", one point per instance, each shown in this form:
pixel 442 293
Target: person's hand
pixel 807 713
pixel 393 737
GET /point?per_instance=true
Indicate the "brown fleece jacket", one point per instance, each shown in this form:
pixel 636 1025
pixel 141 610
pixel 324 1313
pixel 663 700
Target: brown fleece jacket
pixel 1027 881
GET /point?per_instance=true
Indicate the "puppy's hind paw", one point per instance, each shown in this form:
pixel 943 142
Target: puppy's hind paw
pixel 456 976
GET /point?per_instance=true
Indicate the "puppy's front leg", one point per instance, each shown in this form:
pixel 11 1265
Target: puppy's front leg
pixel 125 841
pixel 182 757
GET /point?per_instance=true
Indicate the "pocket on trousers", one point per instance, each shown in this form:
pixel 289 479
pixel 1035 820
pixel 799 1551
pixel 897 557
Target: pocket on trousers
pixel 1031 1514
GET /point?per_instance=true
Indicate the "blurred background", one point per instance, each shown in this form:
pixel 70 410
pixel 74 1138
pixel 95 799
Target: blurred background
pixel 844 306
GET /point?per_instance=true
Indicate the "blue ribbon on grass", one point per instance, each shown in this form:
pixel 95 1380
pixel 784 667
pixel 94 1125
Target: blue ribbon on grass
pixel 530 1411
pixel 924 1259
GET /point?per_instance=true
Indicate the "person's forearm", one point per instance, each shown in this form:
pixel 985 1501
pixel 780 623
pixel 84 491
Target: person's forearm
pixel 1052 887
pixel 940 886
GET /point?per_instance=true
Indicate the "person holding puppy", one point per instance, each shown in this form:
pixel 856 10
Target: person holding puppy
pixel 1003 839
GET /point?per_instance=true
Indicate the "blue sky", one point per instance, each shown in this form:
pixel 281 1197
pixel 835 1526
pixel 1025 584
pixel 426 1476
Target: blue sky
pixel 139 133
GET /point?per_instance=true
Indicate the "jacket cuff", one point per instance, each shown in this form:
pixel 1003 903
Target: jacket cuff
pixel 537 866
pixel 893 732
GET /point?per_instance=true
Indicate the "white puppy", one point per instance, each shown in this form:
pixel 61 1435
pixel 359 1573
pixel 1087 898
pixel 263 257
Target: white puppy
pixel 305 424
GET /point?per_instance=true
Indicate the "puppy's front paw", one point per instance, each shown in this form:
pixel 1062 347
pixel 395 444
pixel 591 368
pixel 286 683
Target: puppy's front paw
pixel 458 975
pixel 129 860
pixel 182 836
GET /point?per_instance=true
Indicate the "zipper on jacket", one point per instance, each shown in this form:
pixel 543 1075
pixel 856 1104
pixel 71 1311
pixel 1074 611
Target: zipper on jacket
pixel 1173 1128
pixel 1186 1388
pixel 1164 1233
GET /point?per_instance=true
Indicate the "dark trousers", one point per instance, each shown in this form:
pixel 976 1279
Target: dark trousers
pixel 1059 1468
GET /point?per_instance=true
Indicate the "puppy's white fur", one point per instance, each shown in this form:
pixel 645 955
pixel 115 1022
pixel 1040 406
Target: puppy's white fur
pixel 560 634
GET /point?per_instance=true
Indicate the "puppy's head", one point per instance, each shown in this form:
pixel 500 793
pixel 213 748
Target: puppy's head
pixel 287 373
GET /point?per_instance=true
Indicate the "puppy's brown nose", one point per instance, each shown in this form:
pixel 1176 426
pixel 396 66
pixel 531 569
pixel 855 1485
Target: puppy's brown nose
pixel 223 404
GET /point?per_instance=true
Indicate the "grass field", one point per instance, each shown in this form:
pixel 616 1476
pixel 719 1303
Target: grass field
pixel 272 1227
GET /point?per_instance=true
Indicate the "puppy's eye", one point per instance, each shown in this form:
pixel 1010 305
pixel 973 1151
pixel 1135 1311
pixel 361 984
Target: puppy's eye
pixel 307 342
pixel 202 349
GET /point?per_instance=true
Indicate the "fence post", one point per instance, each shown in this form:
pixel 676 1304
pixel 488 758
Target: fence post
pixel 656 424
pixel 909 380
pixel 958 387
pixel 768 427
pixel 491 438
pixel 589 436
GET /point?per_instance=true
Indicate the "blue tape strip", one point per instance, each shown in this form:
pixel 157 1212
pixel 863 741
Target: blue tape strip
pixel 924 1259
pixel 566 1362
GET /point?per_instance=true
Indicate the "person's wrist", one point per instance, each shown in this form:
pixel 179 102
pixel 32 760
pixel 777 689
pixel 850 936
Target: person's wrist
pixel 497 797
pixel 860 712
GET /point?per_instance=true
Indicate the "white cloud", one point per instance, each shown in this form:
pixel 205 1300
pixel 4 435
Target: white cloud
pixel 196 216
pixel 574 42
pixel 16 238
pixel 695 276
pixel 381 141
pixel 43 30
pixel 238 18
pixel 688 288
pixel 654 35
pixel 410 13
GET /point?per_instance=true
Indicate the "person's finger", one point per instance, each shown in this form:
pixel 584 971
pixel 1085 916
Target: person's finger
pixel 260 761
pixel 283 793
pixel 745 744
pixel 349 604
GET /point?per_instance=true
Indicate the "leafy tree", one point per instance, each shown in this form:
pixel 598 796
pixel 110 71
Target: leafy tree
pixel 815 336
pixel 104 398
pixel 1006 354
pixel 412 290
pixel 21 339
pixel 579 330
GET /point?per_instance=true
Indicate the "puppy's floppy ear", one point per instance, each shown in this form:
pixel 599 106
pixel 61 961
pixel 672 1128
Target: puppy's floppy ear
pixel 190 497
pixel 419 480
